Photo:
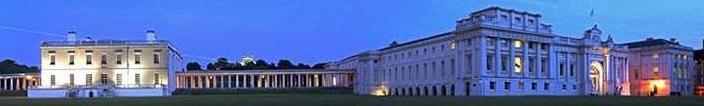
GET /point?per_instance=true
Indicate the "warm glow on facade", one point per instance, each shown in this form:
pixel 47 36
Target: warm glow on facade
pixel 380 91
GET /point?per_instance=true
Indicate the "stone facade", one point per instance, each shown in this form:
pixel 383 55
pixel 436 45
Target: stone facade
pixel 496 52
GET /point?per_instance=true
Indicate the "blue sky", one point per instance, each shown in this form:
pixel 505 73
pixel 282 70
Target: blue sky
pixel 312 31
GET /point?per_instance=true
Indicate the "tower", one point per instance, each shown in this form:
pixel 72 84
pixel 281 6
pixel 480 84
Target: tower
pixel 151 35
pixel 71 36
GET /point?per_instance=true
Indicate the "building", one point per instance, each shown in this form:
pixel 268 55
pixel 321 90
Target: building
pixel 107 68
pixel 495 52
pixel 263 79
pixel 699 71
pixel 18 82
pixel 661 67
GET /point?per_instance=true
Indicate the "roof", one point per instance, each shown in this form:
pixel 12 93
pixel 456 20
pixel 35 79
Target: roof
pixel 503 9
pixel 416 41
pixel 111 43
pixel 650 42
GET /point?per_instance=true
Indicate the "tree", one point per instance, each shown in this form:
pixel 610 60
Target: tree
pixel 222 63
pixel 285 64
pixel 193 66
pixel 210 66
pixel 261 65
pixel 11 67
pixel 319 66
pixel 302 66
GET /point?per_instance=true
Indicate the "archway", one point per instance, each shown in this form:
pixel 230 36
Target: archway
pixel 596 75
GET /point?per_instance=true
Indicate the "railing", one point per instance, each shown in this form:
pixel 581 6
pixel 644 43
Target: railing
pixel 103 43
pixel 541 28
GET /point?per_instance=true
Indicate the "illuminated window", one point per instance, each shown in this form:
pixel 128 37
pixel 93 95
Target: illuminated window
pixel 118 79
pixel 518 44
pixel 518 64
pixel 453 45
pixel 656 56
pixel 504 43
pixel 71 79
pixel 89 79
pixel 52 80
pixel 156 79
pixel 137 79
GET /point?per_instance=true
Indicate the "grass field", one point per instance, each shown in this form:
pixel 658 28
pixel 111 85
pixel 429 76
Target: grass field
pixel 354 100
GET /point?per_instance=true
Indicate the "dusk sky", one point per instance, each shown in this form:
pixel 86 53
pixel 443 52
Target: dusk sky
pixel 312 31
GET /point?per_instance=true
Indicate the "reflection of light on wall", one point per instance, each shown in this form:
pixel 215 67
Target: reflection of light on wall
pixel 380 91
pixel 657 83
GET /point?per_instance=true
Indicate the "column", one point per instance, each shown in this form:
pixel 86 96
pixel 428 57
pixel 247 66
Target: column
pixel 229 81
pixel 299 80
pixel 237 81
pixel 200 82
pixel 309 83
pixel 290 80
pixel 192 83
pixel 12 84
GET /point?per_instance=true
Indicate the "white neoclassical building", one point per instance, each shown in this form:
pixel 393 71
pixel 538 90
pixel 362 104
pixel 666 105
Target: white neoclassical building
pixel 106 68
pixel 661 67
pixel 495 52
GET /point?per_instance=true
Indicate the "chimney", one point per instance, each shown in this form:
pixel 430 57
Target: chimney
pixel 673 40
pixel 71 36
pixel 151 35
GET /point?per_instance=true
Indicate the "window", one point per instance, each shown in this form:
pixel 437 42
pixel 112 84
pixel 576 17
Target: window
pixel 137 79
pixel 71 79
pixel 504 62
pixel 103 59
pixel 89 59
pixel 71 59
pixel 530 21
pixel 531 64
pixel 564 87
pixel 156 79
pixel 572 70
pixel 518 44
pixel 118 59
pixel 533 86
pixel 504 43
pixel 546 86
pixel 52 80
pixel 518 64
pixel 492 85
pixel 562 69
pixel 118 79
pixel 156 58
pixel 544 65
pixel 544 47
pixel 89 79
pixel 520 86
pixel 137 59
pixel 52 59
pixel 489 62
pixel 491 41
pixel 507 85
pixel 104 78
pixel 656 56
pixel 574 87
pixel 656 70
pixel 453 45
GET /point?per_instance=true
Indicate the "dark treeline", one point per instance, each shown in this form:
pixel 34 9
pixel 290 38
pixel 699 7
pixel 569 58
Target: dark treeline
pixel 224 64
pixel 11 67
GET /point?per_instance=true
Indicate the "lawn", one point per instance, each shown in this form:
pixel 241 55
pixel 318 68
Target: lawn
pixel 354 100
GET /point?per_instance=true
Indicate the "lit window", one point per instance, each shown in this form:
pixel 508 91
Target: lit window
pixel 137 79
pixel 453 45
pixel 518 44
pixel 518 64
pixel 656 70
pixel 656 56
pixel 89 79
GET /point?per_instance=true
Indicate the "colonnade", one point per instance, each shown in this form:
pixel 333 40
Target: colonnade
pixel 12 82
pixel 259 79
